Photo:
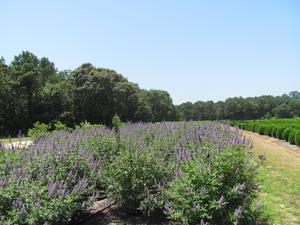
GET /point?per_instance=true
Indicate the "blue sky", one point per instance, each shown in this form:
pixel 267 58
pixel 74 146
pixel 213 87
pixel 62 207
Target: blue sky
pixel 196 50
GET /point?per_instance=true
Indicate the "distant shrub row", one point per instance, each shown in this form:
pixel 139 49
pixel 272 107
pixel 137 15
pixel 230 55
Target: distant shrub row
pixel 41 130
pixel 284 129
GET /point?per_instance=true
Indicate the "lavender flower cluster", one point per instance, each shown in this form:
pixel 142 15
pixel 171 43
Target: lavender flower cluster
pixel 61 175
pixel 50 181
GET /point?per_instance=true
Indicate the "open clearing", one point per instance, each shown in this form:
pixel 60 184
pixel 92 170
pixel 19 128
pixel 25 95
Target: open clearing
pixel 280 179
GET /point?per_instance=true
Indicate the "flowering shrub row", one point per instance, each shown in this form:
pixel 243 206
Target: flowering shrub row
pixel 196 173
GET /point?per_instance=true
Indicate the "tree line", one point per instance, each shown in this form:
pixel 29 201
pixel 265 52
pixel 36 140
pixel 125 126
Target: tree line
pixel 238 108
pixel 32 89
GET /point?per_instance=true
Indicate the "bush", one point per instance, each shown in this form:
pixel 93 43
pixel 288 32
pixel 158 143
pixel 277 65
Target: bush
pixel 219 194
pixel 292 136
pixel 268 130
pixel 257 128
pixel 247 126
pixel 261 130
pixel 145 167
pixel 252 127
pixel 297 138
pixel 50 185
pixel 87 125
pixel 279 132
pixel 105 148
pixel 131 179
pixel 285 134
pixel 242 126
pixel 59 126
pixel 274 130
pixel 38 131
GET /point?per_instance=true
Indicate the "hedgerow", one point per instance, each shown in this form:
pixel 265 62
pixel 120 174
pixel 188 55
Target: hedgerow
pixel 274 130
pixel 297 138
pixel 279 132
pixel 286 133
pixel 292 136
pixel 284 129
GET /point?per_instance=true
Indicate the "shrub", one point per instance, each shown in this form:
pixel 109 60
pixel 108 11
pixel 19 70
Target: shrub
pixel 261 130
pixel 219 194
pixel 279 132
pixel 144 167
pixel 268 130
pixel 233 123
pixel 50 185
pixel 285 133
pixel 297 138
pixel 274 130
pixel 131 179
pixel 87 125
pixel 105 148
pixel 292 137
pixel 252 127
pixel 59 126
pixel 248 126
pixel 257 128
pixel 38 131
pixel 242 126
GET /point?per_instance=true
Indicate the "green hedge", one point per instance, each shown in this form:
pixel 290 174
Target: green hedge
pixel 274 130
pixel 279 132
pixel 292 137
pixel 297 138
pixel 286 133
pixel 284 129
pixel 268 130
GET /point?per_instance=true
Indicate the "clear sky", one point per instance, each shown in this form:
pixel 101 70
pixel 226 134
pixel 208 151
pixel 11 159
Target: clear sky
pixel 196 50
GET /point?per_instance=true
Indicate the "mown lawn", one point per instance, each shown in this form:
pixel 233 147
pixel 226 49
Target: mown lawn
pixel 280 180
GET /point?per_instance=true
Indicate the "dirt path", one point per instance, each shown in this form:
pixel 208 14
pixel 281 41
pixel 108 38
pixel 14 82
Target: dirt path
pixel 287 155
pixel 279 178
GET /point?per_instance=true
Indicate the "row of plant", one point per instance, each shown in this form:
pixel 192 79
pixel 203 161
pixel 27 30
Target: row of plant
pixel 284 129
pixel 195 173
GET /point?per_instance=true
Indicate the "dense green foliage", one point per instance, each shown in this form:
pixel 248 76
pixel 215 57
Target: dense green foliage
pixel 32 89
pixel 190 172
pixel 297 138
pixel 284 129
pixel 216 192
pixel 38 131
pixel 40 185
pixel 239 108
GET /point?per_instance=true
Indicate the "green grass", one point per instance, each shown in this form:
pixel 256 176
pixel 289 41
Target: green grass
pixel 280 182
pixel 7 140
pixel 280 195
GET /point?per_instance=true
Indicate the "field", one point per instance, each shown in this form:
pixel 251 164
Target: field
pixel 193 173
pixel 284 129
